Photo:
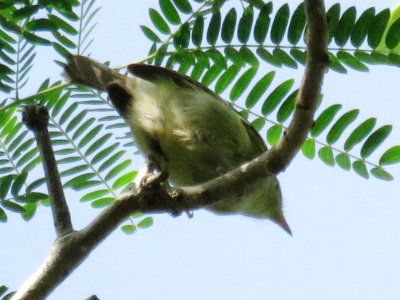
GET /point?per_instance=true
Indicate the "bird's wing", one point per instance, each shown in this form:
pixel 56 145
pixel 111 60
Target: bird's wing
pixel 153 73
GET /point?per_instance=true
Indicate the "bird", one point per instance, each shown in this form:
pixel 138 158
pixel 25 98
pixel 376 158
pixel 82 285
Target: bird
pixel 185 131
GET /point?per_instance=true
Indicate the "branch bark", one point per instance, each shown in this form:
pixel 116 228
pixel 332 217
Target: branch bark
pixel 70 249
pixel 36 118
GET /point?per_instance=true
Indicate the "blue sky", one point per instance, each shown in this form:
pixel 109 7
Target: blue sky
pixel 346 230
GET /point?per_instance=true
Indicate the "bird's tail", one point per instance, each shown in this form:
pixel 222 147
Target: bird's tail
pixel 86 71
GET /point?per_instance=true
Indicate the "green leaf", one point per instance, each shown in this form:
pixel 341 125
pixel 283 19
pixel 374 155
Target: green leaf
pixel 284 58
pixel 19 181
pixel 333 15
pixel 197 32
pixel 62 25
pixel 25 12
pixel 360 168
pixel 169 11
pixel 249 57
pixel 297 25
pixel 137 214
pixel 216 56
pixel 374 140
pixel 393 35
pixel 182 37
pixel 3 215
pixel 74 182
pixel 345 26
pixel 380 173
pixel 234 56
pixel 90 136
pixel 280 23
pixel 242 83
pixel 97 144
pixel 184 6
pixel 94 195
pixel 104 153
pixel 29 211
pixel 28 157
pixel 276 97
pixel 340 125
pixel 41 25
pixel 377 28
pixel 334 64
pixel 35 184
pixel 258 123
pixel 326 155
pixel 351 61
pixel 34 39
pixel 124 180
pixel 226 78
pixel 259 89
pixel 391 156
pixel 358 134
pixel 262 23
pixel 128 228
pixel 68 113
pixel 84 185
pixel 61 50
pixel 287 107
pixel 245 24
pixel 324 119
pixel 110 161
pixel 343 161
pixel 103 202
pixel 145 223
pixel 268 57
pixel 12 206
pixel 76 120
pixel 211 74
pixel 298 55
pixel 274 133
pixel 228 26
pixel 360 29
pixel 118 169
pixel 159 21
pixel 150 34
pixel 394 59
pixel 214 28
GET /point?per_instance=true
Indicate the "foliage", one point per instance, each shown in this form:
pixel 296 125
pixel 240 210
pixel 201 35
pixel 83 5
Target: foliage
pixel 218 43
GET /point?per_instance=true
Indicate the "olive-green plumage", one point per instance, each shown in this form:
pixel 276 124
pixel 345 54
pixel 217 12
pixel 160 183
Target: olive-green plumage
pixel 185 130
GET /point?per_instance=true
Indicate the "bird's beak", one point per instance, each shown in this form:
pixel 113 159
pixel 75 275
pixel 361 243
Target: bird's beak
pixel 281 221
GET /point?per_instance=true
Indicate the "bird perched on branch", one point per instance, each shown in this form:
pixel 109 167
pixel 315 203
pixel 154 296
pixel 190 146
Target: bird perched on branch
pixel 185 130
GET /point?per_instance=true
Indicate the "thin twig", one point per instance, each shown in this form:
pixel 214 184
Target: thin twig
pixel 36 118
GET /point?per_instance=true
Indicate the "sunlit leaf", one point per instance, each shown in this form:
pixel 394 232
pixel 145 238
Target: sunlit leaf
pixel 340 125
pixel 324 119
pixel 145 223
pixel 358 134
pixel 391 156
pixel 276 97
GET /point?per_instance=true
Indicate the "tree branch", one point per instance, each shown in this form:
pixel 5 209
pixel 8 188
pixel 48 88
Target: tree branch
pixel 71 249
pixel 36 118
pixel 278 158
